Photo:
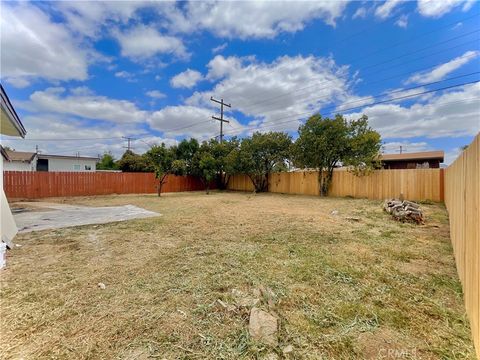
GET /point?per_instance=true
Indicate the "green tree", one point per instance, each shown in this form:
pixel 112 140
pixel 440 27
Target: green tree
pixel 205 165
pixel 324 143
pixel 131 162
pixel 185 151
pixel 107 162
pixel 220 152
pixel 262 154
pixel 163 162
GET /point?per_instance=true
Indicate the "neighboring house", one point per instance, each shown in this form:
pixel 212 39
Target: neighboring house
pixel 66 163
pixel 418 160
pixel 10 125
pixel 20 161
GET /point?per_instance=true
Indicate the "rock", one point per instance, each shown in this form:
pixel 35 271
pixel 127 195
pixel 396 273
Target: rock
pixel 102 286
pixel 334 212
pixel 263 327
pixel 287 350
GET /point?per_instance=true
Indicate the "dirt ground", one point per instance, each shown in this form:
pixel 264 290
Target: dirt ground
pixel 342 289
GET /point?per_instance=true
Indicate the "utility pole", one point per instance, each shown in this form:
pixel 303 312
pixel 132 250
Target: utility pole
pixel 222 104
pixel 129 139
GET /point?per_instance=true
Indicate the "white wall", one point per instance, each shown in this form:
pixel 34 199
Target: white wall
pixel 8 228
pixel 55 164
pixel 20 165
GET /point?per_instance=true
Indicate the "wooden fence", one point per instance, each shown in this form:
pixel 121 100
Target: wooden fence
pixel 414 184
pixel 34 185
pixel 462 198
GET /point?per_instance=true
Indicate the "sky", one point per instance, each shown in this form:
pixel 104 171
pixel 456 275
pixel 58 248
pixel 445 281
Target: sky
pixel 84 75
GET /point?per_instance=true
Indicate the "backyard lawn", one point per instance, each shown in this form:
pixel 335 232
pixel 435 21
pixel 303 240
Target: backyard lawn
pixel 344 280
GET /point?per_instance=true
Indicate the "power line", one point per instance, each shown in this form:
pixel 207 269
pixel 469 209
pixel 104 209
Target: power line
pixel 314 99
pixel 361 106
pixel 129 139
pixel 391 92
pixel 416 37
pixel 252 105
pixel 71 139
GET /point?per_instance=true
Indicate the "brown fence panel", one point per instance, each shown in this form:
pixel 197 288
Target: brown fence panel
pixel 413 184
pixel 35 185
pixel 462 198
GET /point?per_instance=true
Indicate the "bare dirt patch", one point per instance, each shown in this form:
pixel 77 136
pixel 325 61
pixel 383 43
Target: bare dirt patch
pixel 338 284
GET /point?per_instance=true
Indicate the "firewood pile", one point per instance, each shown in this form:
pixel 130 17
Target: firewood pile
pixel 404 211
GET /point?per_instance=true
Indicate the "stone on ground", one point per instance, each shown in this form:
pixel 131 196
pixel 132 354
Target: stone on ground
pixel 263 327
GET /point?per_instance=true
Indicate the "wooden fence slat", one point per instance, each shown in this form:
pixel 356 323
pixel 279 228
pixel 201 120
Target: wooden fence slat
pixel 462 199
pixel 414 184
pixel 35 185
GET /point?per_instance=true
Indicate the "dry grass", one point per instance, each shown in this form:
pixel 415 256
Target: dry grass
pixel 345 290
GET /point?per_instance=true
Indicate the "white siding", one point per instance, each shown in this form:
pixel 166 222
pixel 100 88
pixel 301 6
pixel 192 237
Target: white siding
pixel 20 165
pixel 71 164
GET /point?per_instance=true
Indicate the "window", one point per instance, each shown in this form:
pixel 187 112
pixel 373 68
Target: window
pixel 76 167
pixel 88 167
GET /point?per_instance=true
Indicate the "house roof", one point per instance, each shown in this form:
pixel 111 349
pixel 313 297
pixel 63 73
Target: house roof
pixel 20 155
pixel 424 155
pixel 10 122
pixel 4 153
pixel 47 156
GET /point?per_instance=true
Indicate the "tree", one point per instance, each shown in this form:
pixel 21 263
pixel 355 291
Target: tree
pixel 107 162
pixel 262 154
pixel 204 165
pixel 324 143
pixel 185 151
pixel 163 162
pixel 220 152
pixel 131 162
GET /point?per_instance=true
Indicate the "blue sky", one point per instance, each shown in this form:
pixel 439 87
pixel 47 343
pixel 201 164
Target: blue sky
pixel 83 74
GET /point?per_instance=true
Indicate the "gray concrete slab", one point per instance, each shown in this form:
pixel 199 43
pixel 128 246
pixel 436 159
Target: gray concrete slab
pixel 56 216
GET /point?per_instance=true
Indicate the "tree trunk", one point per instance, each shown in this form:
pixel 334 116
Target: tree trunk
pixel 161 181
pixel 320 182
pixel 207 188
pixel 324 180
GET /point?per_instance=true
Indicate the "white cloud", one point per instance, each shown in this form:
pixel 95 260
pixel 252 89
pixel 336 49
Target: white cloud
pixel 155 94
pixel 219 48
pixel 384 11
pixel 360 13
pixel 33 46
pixel 441 71
pixel 189 121
pixel 87 17
pixel 452 114
pixel 402 21
pixel 223 18
pixel 269 91
pixel 393 147
pixel 221 66
pixel 187 79
pixel 436 9
pixel 85 105
pixel 234 18
pixel 126 75
pixel 142 42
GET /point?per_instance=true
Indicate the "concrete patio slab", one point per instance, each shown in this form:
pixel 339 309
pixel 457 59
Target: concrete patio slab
pixel 44 216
